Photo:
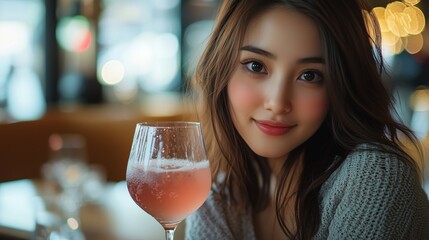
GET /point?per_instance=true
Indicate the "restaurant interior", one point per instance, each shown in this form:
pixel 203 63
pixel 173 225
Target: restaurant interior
pixel 77 75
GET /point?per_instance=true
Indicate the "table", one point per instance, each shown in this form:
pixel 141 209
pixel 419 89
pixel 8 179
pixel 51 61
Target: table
pixel 115 216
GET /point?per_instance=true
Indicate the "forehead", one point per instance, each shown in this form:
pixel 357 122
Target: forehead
pixel 281 30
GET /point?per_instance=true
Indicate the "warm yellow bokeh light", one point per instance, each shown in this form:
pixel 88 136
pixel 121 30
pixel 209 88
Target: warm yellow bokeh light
pixel 379 13
pixel 412 25
pixel 398 47
pixel 389 38
pixel 412 2
pixel 414 43
pixel 395 18
pixel 420 19
pixel 395 24
pixel 401 24
pixel 419 99
pixel 369 24
pixel 394 8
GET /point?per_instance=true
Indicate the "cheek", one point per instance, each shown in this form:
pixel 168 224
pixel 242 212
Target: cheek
pixel 313 108
pixel 243 94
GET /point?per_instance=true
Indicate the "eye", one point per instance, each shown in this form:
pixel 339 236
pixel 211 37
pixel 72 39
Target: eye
pixel 311 76
pixel 255 66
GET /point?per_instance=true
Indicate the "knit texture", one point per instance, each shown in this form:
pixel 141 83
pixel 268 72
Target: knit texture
pixel 372 195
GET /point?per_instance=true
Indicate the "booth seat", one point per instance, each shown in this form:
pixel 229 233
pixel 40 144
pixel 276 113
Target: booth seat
pixel 107 130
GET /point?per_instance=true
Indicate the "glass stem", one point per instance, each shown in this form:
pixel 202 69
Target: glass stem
pixel 169 234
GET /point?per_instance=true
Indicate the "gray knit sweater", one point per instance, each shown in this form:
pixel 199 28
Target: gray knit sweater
pixel 372 195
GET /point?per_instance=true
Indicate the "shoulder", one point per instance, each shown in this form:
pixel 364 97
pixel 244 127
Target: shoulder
pixel 375 193
pixel 369 162
pixel 371 169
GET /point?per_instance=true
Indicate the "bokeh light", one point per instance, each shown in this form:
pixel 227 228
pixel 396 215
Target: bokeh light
pixel 25 95
pixel 72 223
pixel 74 33
pixel 419 99
pixel 414 43
pixel 401 24
pixel 15 36
pixel 412 2
pixel 112 72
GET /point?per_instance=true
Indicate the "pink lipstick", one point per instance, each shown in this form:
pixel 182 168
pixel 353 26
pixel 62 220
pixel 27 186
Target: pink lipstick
pixel 273 128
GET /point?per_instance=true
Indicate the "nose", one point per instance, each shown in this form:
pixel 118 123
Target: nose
pixel 278 97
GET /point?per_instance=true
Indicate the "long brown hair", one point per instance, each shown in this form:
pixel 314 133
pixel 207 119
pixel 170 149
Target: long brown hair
pixel 360 107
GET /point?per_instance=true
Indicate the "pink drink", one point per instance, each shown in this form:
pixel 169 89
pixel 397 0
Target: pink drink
pixel 169 190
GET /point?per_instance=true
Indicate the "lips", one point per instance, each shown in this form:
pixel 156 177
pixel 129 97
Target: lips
pixel 273 128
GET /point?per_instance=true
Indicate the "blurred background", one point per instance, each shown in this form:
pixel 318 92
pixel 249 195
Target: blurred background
pixel 77 75
pixel 96 67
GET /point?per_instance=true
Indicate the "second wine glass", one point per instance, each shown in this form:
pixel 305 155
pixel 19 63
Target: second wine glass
pixel 168 173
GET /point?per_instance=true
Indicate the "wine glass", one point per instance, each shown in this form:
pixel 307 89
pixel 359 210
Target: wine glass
pixel 168 173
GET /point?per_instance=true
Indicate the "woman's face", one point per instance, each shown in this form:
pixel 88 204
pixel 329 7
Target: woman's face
pixel 277 92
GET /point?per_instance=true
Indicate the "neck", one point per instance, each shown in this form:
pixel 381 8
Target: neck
pixel 276 165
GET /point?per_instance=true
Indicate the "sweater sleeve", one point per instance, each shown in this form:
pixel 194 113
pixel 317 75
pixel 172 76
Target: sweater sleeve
pixel 378 197
pixel 216 220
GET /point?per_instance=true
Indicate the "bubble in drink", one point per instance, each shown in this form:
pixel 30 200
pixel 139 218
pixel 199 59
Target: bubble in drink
pixel 169 189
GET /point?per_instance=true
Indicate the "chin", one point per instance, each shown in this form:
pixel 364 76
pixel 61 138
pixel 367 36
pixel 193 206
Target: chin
pixel 268 152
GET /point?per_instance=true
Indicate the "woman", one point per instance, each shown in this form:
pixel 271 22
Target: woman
pixel 299 129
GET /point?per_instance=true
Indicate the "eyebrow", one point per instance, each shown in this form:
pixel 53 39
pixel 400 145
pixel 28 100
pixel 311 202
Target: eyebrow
pixel 258 51
pixel 270 55
pixel 312 60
